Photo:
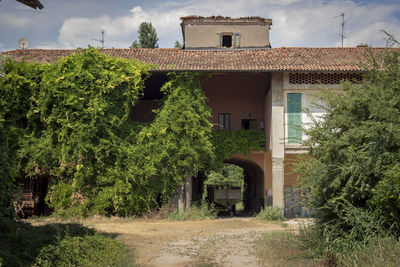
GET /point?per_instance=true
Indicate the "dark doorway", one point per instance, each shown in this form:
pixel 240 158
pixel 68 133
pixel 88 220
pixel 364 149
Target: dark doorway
pixel 249 124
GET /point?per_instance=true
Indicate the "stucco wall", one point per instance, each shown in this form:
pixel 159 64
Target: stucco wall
pixel 240 94
pixel 290 177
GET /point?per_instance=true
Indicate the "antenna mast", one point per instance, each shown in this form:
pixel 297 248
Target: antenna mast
pixel 343 22
pixel 102 39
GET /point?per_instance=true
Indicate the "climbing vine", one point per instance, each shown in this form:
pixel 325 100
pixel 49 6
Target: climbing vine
pixel 228 143
pixel 18 81
pixel 72 121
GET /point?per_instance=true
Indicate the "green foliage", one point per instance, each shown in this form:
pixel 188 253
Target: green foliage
pixel 270 214
pixel 89 250
pixel 147 36
pixel 203 212
pixel 177 44
pixel 17 84
pixel 176 144
pixel 227 176
pixel 87 132
pixel 55 244
pixel 227 143
pixel 352 166
pixel 351 174
pixel 307 247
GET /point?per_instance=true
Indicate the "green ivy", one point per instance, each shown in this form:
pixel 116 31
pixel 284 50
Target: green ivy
pixel 17 84
pixel 228 143
pixel 72 122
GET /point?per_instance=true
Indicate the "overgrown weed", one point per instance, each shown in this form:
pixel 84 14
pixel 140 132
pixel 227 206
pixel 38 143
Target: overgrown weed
pixel 202 212
pixel 270 214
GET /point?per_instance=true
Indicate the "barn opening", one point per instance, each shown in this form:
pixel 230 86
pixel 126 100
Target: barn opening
pixel 253 195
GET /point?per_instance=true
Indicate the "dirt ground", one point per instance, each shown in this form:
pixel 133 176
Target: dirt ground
pixel 219 242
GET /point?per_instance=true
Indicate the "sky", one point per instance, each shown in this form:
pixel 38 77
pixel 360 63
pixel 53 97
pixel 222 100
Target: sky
pixel 67 24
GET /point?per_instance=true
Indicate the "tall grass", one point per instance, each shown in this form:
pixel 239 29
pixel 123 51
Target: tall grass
pixel 309 247
pixel 202 212
pixel 270 214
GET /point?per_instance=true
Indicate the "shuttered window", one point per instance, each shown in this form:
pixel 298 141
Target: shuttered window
pixel 224 121
pixel 294 118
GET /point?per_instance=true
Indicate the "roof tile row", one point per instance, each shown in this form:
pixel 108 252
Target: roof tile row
pixel 276 59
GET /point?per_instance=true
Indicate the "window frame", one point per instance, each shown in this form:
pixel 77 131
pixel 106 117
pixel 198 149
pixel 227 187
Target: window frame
pixel 226 117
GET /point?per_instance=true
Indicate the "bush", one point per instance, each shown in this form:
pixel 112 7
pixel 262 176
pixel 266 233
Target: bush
pixel 94 250
pixel 204 212
pixel 22 244
pixel 270 214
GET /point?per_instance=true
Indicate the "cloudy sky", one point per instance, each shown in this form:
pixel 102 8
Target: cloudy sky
pixel 74 23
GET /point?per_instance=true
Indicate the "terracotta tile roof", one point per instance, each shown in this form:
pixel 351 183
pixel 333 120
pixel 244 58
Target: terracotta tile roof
pixel 276 59
pixel 200 19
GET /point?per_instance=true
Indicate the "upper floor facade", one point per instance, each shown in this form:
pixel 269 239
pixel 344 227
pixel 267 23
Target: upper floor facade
pixel 225 32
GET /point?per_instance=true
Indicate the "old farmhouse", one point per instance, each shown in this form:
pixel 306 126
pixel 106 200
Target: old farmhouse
pixel 251 86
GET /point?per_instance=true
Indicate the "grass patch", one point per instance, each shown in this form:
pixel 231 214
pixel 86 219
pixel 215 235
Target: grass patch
pixel 308 248
pixel 281 249
pixel 270 214
pixel 202 212
pixel 383 251
pixel 57 244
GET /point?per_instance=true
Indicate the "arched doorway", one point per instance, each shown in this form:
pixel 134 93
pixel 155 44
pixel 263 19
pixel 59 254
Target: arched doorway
pixel 254 180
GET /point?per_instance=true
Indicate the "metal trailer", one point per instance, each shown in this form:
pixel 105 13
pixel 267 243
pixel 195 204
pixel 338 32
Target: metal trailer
pixel 225 198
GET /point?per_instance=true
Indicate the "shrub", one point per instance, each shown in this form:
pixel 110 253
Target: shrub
pixel 89 250
pixel 22 244
pixel 270 214
pixel 203 212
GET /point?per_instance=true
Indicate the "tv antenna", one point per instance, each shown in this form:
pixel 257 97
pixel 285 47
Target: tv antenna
pixel 343 22
pixel 102 39
pixel 23 43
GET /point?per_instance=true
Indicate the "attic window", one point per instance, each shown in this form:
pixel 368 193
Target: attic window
pixel 226 40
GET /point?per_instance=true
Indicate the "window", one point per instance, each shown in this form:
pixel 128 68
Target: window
pixel 236 41
pixel 226 40
pixel 249 124
pixel 224 121
pixel 294 114
pixel 229 39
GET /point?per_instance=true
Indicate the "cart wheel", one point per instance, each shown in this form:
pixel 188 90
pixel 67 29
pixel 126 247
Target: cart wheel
pixel 233 209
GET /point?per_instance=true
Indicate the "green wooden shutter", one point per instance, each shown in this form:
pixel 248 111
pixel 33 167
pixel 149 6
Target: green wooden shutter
pixel 294 118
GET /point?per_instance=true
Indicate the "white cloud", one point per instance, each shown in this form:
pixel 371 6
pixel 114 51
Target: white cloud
pixel 295 22
pixel 12 21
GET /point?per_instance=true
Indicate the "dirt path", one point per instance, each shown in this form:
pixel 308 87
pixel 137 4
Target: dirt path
pixel 220 242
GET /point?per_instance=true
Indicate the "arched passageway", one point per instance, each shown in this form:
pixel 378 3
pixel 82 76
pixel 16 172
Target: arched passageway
pixel 254 179
pixel 253 197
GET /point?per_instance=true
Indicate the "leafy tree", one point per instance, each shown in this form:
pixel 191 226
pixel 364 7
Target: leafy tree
pixel 177 44
pixel 147 36
pixel 352 172
pixel 228 175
